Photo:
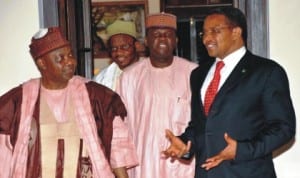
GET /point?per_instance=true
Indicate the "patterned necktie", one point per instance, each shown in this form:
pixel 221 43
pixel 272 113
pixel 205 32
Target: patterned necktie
pixel 213 87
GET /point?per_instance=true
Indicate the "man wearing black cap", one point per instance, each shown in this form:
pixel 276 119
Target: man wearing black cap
pixel 61 125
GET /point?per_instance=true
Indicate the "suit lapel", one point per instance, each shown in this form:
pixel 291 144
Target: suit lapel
pixel 241 70
pixel 201 75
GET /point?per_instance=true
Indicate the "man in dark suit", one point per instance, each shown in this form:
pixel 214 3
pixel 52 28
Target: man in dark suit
pixel 250 116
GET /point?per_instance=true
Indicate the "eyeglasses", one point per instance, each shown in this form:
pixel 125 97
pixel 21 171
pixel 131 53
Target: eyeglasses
pixel 122 47
pixel 213 31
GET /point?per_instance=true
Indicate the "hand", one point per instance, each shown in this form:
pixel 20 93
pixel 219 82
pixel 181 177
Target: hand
pixel 228 153
pixel 120 172
pixel 177 148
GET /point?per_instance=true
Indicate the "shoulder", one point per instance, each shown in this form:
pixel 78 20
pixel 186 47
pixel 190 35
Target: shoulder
pixel 183 65
pixel 262 63
pixel 13 96
pixel 98 90
pixel 135 69
pixel 137 65
pixel 16 91
pixel 185 62
pixel 202 69
pixel 108 99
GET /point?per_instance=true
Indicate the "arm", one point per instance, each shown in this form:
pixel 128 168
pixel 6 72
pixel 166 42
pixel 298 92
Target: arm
pixel 123 153
pixel 278 116
pixel 10 110
pixel 8 115
pixel 5 155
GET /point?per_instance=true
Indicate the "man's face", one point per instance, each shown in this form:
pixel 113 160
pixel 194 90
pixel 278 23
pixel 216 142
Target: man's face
pixel 218 36
pixel 58 66
pixel 161 43
pixel 122 50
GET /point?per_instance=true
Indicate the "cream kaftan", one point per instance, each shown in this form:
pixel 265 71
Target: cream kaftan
pixel 109 76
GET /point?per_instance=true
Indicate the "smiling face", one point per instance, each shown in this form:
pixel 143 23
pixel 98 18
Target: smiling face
pixel 122 50
pixel 57 67
pixel 161 43
pixel 220 37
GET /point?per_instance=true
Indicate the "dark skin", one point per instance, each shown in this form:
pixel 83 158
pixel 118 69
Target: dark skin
pixel 161 43
pixel 57 68
pixel 220 39
pixel 123 50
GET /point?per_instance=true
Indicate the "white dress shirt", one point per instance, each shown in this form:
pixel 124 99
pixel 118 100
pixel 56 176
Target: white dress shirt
pixel 230 62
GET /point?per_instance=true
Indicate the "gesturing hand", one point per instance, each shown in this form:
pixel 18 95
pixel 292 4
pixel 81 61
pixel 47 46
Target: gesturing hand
pixel 177 148
pixel 228 153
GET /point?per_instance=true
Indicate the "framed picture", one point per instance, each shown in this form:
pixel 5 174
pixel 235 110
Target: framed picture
pixel 105 13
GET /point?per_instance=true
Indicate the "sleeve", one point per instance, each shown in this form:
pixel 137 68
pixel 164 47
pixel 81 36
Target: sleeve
pixel 196 124
pixel 10 109
pixel 279 119
pixel 123 153
pixel 8 113
pixel 5 155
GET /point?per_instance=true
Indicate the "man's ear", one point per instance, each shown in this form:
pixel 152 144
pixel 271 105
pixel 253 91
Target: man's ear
pixel 40 63
pixel 237 32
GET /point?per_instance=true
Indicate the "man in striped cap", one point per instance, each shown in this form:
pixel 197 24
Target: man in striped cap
pixel 156 94
pixel 60 124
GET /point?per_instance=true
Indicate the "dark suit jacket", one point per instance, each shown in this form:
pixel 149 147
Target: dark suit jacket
pixel 254 107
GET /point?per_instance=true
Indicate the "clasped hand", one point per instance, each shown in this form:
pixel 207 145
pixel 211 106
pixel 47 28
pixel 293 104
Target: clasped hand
pixel 178 148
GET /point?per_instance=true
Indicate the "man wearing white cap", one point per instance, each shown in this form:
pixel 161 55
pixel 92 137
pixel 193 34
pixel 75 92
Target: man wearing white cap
pixel 157 96
pixel 122 50
pixel 61 125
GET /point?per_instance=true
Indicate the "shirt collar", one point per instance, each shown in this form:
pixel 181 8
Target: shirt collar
pixel 233 58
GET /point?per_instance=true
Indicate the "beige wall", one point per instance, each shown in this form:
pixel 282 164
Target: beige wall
pixel 284 48
pixel 19 21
